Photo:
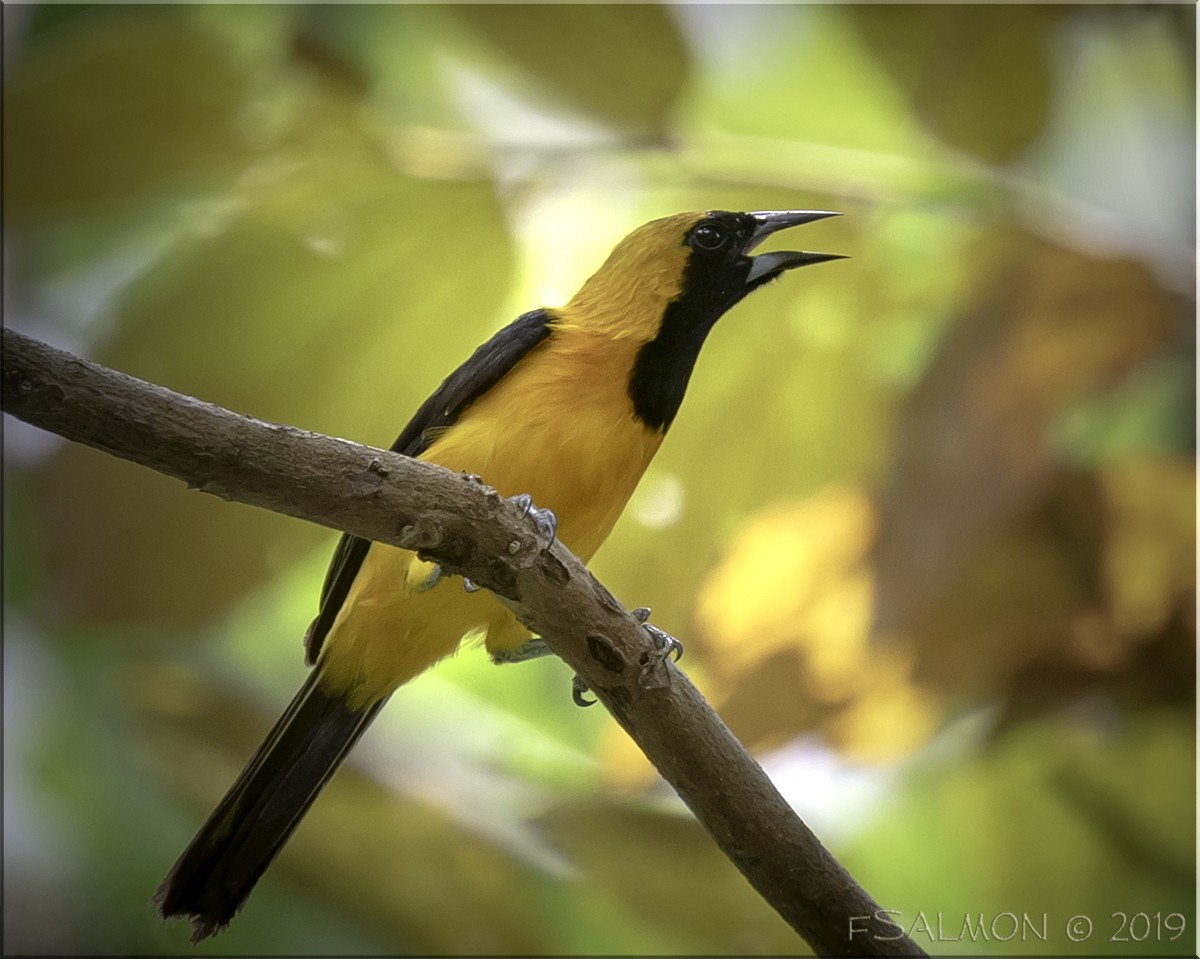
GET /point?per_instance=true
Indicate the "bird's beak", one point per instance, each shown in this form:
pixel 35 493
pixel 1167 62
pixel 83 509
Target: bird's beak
pixel 767 266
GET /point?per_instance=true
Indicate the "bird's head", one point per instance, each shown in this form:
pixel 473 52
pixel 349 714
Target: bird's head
pixel 698 264
pixel 666 284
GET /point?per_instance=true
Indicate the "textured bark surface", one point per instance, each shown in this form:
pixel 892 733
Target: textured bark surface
pixel 467 528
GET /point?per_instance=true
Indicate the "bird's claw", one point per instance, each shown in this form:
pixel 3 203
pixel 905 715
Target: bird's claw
pixel 653 674
pixel 578 687
pixel 535 649
pixel 667 644
pixel 531 649
pixel 544 519
pixel 432 578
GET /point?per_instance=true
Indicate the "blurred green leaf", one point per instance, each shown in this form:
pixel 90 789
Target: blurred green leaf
pixel 978 76
pixel 119 107
pixel 809 82
pixel 1017 829
pixel 625 64
pixel 23 573
pixel 46 19
pixel 653 881
pixel 323 282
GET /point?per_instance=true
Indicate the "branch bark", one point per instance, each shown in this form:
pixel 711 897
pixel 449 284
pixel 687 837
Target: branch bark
pixel 471 531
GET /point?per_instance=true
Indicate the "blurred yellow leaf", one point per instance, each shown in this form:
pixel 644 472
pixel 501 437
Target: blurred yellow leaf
pixel 786 619
pixel 889 715
pixel 793 578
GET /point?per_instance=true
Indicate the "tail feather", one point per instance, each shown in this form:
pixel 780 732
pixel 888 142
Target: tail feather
pixel 220 866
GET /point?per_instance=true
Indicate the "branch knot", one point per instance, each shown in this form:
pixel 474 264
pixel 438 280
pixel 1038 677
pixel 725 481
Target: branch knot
pixel 422 534
pixel 606 654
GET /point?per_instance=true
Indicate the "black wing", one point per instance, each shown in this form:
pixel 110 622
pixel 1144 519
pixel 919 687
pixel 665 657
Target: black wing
pixel 483 370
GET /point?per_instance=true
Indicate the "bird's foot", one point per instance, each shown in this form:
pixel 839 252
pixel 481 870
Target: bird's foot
pixel 667 644
pixel 579 686
pixel 532 649
pixel 536 649
pixel 422 584
pixel 653 674
pixel 544 519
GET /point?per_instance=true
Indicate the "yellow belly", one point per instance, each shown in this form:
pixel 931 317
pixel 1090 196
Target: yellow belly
pixel 559 430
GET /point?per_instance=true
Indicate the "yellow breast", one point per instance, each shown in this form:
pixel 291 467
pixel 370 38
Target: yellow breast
pixel 561 428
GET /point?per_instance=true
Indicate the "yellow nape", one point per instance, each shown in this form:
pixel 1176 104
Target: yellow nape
pixel 626 297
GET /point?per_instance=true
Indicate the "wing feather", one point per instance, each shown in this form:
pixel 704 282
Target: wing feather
pixel 483 370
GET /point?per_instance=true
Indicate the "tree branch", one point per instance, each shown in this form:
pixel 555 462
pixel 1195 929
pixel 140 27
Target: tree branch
pixel 467 528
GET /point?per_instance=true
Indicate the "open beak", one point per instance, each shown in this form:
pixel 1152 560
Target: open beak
pixel 767 266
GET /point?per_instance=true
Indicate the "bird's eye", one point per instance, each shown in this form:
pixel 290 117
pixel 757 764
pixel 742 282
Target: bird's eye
pixel 708 236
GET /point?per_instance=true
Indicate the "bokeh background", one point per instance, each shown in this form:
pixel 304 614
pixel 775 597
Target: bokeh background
pixel 925 524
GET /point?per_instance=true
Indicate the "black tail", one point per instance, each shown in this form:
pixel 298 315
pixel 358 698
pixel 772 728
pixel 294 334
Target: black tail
pixel 220 866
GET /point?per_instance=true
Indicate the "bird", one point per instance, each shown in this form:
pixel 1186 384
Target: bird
pixel 563 408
